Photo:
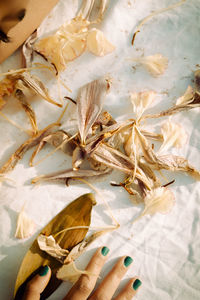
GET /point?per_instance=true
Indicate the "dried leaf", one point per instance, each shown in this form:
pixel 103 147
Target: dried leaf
pixel 77 213
pixel 156 64
pixel 174 135
pixel 70 273
pixel 65 175
pixel 98 44
pixel 89 104
pixel 141 101
pixel 49 245
pixel 25 226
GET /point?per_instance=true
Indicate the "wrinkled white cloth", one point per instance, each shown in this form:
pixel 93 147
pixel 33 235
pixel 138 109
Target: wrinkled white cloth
pixel 165 248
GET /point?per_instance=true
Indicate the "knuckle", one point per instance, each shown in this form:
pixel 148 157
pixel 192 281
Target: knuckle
pixel 84 286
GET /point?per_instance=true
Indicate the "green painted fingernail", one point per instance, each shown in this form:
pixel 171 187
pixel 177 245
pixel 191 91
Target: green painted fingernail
pixel 44 270
pixel 136 284
pixel 127 261
pixel 104 251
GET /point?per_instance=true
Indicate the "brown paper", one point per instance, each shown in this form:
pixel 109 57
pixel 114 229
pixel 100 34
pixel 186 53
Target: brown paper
pixel 36 11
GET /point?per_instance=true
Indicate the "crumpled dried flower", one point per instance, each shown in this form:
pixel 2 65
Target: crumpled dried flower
pixel 142 101
pixel 187 96
pixel 49 245
pixel 155 64
pixel 70 273
pixel 25 226
pixel 174 135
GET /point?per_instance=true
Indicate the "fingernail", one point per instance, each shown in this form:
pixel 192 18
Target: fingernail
pixel 127 261
pixel 104 251
pixel 136 284
pixel 44 270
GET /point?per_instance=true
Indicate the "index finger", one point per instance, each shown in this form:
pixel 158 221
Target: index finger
pixel 86 283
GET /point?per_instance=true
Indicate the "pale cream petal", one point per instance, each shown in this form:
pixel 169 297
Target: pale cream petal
pixel 98 44
pixel 155 64
pixel 174 135
pixel 25 226
pixel 159 200
pixel 141 101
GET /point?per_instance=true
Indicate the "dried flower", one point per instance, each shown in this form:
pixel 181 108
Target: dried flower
pixel 187 97
pixel 155 64
pixel 174 135
pixel 25 226
pixel 49 245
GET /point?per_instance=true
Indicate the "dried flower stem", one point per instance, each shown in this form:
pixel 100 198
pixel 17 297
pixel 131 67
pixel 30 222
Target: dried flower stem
pixel 82 227
pixel 154 14
pixel 15 124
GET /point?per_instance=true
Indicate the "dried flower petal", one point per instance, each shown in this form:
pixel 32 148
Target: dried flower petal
pixel 70 273
pixel 160 200
pixel 142 101
pixel 49 245
pixel 25 226
pixel 174 135
pixel 187 97
pixel 98 44
pixel 156 64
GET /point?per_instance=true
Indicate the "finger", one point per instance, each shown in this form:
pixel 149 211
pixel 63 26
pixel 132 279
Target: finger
pixel 110 283
pixel 129 290
pixel 86 283
pixel 37 285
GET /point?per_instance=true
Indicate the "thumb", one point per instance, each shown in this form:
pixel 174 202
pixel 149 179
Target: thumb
pixel 37 285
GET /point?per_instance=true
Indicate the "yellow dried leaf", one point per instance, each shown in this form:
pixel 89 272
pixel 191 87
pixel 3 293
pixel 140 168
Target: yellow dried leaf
pixel 49 245
pixel 98 44
pixel 25 226
pixel 70 273
pixel 174 135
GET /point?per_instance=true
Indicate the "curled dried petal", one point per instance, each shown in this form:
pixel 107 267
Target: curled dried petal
pixel 187 97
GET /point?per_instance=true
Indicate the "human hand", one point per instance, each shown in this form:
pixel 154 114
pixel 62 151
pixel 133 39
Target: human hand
pixel 83 288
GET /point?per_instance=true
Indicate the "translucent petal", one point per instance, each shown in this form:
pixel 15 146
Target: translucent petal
pixel 25 226
pixel 98 44
pixel 70 273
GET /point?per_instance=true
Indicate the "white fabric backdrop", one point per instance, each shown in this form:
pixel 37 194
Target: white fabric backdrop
pixel 166 249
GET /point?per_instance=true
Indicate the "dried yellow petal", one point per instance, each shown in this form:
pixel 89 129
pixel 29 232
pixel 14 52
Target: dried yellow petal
pixel 49 245
pixel 25 226
pixel 70 273
pixel 98 44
